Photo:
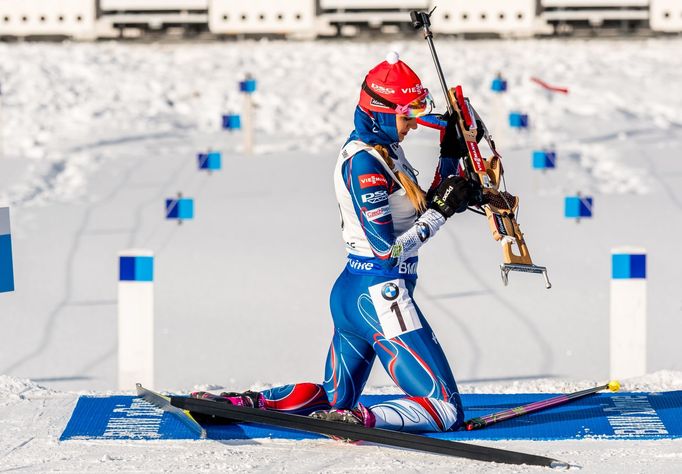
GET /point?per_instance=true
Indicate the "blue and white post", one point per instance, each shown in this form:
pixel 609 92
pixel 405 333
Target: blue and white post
pixel 248 87
pixel 135 319
pixel 6 264
pixel 628 321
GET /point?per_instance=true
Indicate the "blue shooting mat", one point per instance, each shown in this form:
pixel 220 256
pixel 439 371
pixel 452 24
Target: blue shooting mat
pixel 634 416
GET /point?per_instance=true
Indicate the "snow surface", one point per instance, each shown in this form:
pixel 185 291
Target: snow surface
pixel 32 418
pixel 96 136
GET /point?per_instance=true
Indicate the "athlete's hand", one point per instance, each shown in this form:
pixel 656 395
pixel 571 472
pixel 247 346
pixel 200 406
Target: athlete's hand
pixel 452 196
pixel 453 145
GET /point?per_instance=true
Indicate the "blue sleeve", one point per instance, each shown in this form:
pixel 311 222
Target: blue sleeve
pixel 370 185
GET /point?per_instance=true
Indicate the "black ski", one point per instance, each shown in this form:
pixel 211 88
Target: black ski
pixel 361 433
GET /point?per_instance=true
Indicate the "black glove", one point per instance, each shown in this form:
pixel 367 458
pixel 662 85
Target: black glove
pixel 453 144
pixel 452 196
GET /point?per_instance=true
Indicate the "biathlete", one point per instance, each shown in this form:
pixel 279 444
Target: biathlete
pixel 386 217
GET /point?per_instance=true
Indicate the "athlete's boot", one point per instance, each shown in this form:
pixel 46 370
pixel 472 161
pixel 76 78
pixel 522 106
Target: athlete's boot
pixel 360 415
pixel 248 399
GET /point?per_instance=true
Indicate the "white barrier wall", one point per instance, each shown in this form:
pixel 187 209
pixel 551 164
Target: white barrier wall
pixel 261 16
pixel 75 18
pixel 594 3
pixel 485 16
pixel 137 5
pixel 373 4
pixel 666 15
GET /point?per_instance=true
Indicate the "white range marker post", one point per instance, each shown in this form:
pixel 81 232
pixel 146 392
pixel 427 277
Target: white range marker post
pixel 135 319
pixel 248 124
pixel 248 87
pixel 628 331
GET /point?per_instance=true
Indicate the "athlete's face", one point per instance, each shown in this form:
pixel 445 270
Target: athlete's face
pixel 404 124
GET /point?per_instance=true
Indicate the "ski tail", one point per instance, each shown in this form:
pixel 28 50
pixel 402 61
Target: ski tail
pixel 487 420
pixel 164 403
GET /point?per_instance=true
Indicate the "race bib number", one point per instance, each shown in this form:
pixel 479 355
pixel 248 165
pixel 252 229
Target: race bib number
pixel 396 311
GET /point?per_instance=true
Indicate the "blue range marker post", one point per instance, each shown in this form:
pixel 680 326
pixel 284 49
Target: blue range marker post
pixel 179 208
pixel 518 120
pixel 135 318
pixel 136 268
pixel 628 315
pixel 544 159
pixel 248 85
pixel 578 207
pixel 6 263
pixel 499 84
pixel 232 122
pixel 628 265
pixel 210 161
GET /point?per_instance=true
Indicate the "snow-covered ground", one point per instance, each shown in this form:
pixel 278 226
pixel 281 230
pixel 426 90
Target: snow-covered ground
pixel 96 136
pixel 32 418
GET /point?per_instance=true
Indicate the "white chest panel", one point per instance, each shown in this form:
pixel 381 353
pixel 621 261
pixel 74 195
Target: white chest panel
pixel 402 210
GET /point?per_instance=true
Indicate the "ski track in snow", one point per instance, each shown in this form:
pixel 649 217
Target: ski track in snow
pixel 546 356
pixel 83 231
pixel 67 299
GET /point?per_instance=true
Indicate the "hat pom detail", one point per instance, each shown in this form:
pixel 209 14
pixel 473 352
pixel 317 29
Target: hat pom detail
pixel 392 57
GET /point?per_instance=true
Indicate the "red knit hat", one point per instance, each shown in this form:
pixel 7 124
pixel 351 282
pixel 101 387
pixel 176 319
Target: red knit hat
pixel 392 87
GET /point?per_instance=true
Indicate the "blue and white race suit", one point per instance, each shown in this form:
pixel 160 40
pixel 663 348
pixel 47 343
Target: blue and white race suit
pixel 372 301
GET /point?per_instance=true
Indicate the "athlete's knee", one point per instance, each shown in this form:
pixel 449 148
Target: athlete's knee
pixel 418 414
pixel 445 415
pixel 451 415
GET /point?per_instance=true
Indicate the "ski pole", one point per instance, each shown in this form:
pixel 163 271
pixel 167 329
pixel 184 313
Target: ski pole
pixel 486 420
pixel 423 20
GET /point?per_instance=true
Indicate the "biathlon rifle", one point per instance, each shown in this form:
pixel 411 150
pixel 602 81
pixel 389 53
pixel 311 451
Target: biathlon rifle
pixel 499 206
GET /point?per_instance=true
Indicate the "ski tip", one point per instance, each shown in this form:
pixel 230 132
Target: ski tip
pixel 560 465
pixel 614 385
